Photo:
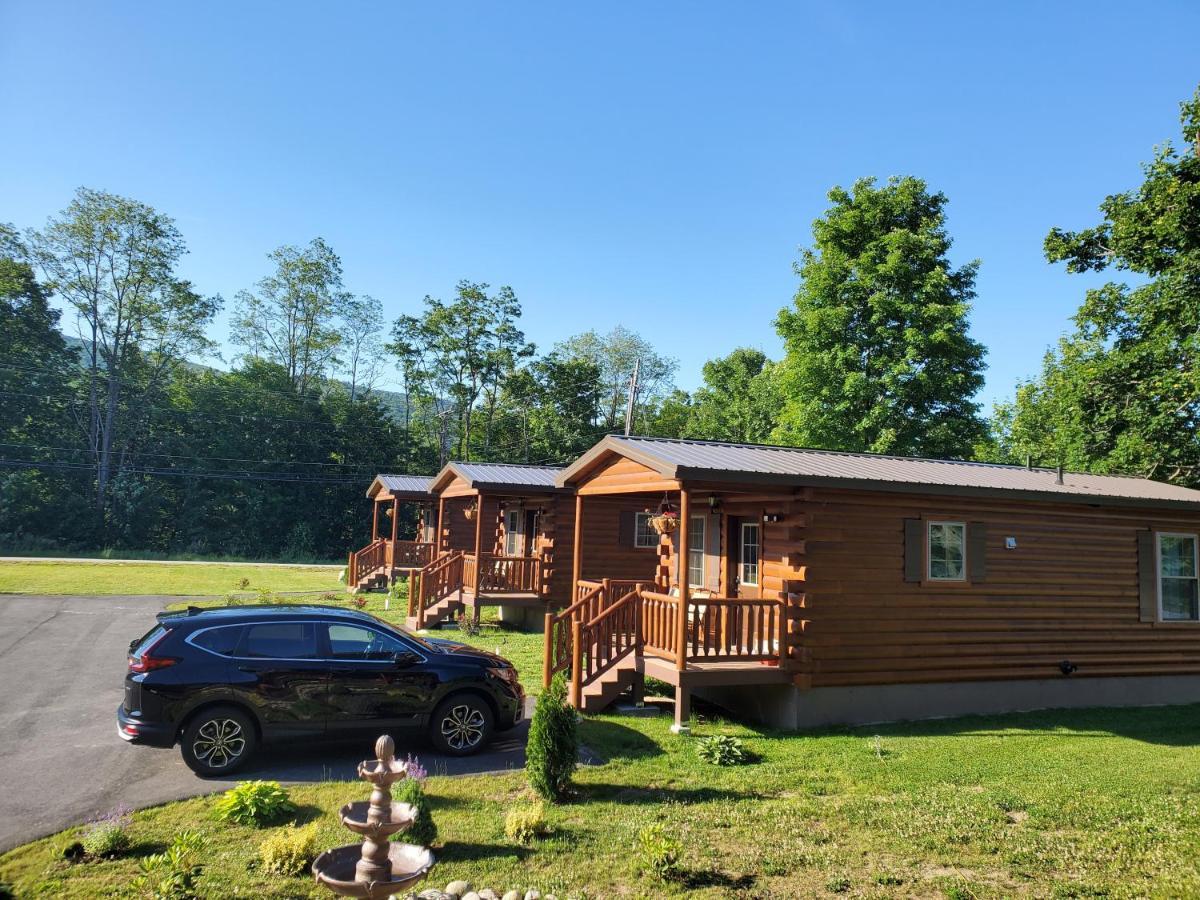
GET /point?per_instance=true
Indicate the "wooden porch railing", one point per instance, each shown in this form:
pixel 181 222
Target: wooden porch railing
pixel 365 561
pixel 410 554
pixel 435 582
pixel 510 574
pixel 470 571
pixel 602 627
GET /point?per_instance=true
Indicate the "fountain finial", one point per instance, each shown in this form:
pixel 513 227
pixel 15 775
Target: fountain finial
pixel 385 749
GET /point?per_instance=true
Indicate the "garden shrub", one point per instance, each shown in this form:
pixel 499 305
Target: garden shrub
pixel 722 750
pixel 255 803
pixel 412 791
pixel 106 836
pixel 290 850
pixel 526 822
pixel 552 752
pixel 172 874
pixel 658 853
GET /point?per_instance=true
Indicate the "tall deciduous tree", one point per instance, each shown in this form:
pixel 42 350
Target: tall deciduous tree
pixel 878 355
pixel 1122 392
pixel 362 341
pixel 294 316
pixel 113 261
pixel 614 355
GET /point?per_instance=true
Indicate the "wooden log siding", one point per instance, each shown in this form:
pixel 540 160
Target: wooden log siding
pixel 607 552
pixel 1070 590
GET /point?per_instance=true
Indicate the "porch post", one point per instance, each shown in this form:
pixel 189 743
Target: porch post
pixel 395 517
pixel 478 541
pixel 437 538
pixel 374 520
pixel 681 578
pixel 577 552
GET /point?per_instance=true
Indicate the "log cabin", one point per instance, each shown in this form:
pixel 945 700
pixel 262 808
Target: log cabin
pixel 500 537
pixel 391 554
pixel 804 588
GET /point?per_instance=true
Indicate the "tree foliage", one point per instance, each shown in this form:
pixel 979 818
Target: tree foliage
pixel 1121 393
pixel 739 401
pixel 552 752
pixel 878 357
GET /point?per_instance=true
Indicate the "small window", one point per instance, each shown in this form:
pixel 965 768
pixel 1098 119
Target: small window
pixel 222 641
pixel 946 551
pixel 280 640
pixel 748 568
pixel 356 642
pixel 512 532
pixel 644 535
pixel 695 553
pixel 1177 586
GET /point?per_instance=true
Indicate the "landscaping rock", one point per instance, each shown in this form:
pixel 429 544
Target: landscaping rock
pixel 470 895
pixel 431 894
pixel 533 895
pixel 512 895
pixel 488 894
pixel 458 888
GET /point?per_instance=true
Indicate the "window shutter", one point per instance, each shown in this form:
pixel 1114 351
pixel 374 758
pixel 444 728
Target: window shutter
pixel 1147 578
pixel 626 528
pixel 712 558
pixel 976 551
pixel 914 549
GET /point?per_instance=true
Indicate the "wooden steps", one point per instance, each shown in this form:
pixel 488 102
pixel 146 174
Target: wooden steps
pixel 446 608
pixel 600 693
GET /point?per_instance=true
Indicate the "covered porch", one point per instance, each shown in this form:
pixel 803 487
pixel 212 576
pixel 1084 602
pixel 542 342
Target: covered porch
pixel 721 603
pixel 389 555
pixel 496 532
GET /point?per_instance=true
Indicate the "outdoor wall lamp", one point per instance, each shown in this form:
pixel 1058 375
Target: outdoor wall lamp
pixel 714 502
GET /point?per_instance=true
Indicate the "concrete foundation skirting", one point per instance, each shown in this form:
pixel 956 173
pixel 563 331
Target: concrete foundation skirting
pixel 786 706
pixel 526 618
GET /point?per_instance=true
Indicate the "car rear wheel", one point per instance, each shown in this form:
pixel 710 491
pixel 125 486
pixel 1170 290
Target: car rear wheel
pixel 218 741
pixel 461 725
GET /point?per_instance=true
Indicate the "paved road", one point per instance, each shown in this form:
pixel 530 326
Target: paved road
pixel 62 661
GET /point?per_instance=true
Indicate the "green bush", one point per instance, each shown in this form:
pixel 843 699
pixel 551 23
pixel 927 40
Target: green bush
pixel 255 803
pixel 105 840
pixel 658 853
pixel 290 850
pixel 552 752
pixel 526 822
pixel 722 750
pixel 172 874
pixel 423 830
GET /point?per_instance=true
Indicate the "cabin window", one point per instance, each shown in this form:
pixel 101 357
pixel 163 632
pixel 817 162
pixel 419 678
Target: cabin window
pixel 1177 586
pixel 644 535
pixel 946 551
pixel 748 567
pixel 695 553
pixel 512 532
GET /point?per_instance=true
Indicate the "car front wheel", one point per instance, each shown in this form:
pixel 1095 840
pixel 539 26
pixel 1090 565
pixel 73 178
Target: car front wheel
pixel 218 741
pixel 461 725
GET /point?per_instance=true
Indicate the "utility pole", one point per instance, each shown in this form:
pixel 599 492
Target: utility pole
pixel 633 386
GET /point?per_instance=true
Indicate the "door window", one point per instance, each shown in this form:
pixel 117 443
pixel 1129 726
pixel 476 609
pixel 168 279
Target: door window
pixel 357 642
pixel 512 532
pixel 695 551
pixel 748 565
pixel 280 640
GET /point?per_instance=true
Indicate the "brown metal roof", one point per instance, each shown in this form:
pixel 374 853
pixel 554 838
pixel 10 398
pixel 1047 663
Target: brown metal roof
pixel 715 461
pixel 499 476
pixel 407 487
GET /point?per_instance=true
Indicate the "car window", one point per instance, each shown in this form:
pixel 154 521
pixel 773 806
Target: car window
pixel 280 640
pixel 356 642
pixel 222 640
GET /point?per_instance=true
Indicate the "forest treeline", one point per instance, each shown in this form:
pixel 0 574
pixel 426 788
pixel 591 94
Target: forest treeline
pixel 120 439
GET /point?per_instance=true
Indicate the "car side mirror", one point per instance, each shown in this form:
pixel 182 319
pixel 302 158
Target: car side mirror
pixel 405 659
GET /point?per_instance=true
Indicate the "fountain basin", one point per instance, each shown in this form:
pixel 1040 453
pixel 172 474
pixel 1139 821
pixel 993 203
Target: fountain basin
pixel 335 869
pixel 354 817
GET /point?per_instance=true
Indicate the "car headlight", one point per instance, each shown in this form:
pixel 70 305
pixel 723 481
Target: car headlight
pixel 504 673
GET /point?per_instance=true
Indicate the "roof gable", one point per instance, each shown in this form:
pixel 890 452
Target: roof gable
pixel 497 476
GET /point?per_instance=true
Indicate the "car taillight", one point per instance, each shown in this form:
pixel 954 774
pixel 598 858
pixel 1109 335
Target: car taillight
pixel 148 661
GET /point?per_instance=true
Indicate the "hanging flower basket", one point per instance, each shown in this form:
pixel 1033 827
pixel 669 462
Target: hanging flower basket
pixel 665 522
pixel 469 512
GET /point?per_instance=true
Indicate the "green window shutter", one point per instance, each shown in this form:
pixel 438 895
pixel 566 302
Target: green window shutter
pixel 976 551
pixel 1147 578
pixel 914 549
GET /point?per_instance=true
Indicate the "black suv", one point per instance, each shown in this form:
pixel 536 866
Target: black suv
pixel 218 681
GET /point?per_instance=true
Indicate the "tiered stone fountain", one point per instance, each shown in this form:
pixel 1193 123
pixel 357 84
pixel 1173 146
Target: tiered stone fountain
pixel 377 867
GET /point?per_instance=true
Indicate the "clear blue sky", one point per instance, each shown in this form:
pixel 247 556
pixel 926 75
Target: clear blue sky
pixel 655 165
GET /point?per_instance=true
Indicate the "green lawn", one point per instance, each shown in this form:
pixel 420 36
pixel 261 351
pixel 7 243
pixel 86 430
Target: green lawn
pixel 1063 804
pixel 89 577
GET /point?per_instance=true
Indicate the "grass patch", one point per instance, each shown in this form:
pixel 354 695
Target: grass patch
pixel 187 579
pixel 1075 803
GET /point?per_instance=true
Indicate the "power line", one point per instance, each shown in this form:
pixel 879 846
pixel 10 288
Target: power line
pixel 285 477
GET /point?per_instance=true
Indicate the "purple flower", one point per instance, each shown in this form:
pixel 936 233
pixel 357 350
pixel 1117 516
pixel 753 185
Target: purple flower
pixel 413 768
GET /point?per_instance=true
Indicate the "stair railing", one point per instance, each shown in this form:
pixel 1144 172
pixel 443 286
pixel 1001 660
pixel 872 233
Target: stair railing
pixel 435 582
pixel 365 561
pixel 559 637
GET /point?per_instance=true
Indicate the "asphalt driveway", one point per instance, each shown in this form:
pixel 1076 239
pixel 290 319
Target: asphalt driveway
pixel 62 665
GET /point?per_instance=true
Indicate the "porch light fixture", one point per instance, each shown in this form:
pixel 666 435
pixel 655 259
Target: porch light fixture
pixel 772 517
pixel 714 502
